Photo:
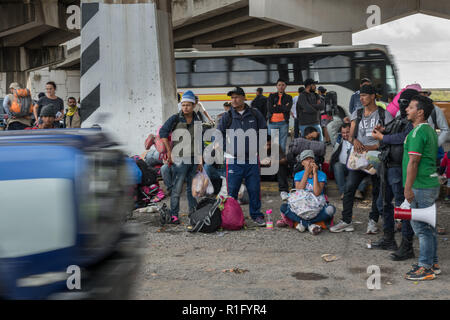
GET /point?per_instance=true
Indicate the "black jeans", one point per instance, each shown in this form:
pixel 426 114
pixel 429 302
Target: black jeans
pixel 354 178
pixel 282 176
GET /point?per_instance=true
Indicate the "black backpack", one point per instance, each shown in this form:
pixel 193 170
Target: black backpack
pixel 149 175
pixel 207 216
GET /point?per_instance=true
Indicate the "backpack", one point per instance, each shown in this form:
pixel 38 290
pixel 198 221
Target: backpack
pixel 359 114
pixel 207 216
pixel 21 104
pixel 232 215
pixel 149 176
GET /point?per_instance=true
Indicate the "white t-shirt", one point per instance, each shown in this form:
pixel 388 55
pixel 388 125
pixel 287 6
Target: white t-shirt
pixel 344 152
pixel 199 107
pixel 294 108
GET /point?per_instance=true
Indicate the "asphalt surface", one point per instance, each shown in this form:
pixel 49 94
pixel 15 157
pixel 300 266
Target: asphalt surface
pixel 280 263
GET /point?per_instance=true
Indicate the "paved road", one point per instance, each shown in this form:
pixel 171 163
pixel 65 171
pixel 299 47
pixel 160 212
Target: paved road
pixel 281 264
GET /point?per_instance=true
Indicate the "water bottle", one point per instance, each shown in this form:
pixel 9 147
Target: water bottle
pixel 269 221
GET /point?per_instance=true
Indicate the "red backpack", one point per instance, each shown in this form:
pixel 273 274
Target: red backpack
pixel 232 215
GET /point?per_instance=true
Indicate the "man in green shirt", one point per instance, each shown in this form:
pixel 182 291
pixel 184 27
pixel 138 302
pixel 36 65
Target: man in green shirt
pixel 421 183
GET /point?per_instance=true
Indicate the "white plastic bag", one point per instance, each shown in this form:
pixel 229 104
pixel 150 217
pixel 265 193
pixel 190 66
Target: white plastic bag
pixel 201 185
pixel 305 204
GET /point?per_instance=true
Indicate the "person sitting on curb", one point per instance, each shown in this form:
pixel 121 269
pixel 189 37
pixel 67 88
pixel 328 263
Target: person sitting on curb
pixel 312 180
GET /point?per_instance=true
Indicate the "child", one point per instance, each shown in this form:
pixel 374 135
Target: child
pixel 312 180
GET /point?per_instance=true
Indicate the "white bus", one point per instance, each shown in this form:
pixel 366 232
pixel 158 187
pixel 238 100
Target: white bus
pixel 211 74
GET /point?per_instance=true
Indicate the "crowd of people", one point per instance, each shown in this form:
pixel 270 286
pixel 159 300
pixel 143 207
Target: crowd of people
pixel 45 112
pixel 401 133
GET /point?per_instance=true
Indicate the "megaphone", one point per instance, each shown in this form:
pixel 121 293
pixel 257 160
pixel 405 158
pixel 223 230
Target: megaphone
pixel 427 215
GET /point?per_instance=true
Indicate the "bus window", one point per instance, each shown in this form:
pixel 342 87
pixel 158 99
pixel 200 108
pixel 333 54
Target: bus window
pixel 390 80
pixel 288 68
pixel 330 68
pixel 248 71
pixel 209 72
pixel 182 67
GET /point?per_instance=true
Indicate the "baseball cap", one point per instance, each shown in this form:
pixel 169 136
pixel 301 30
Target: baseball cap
pixel 367 89
pixel 14 85
pixel 306 154
pixel 322 89
pixel 309 81
pixel 237 90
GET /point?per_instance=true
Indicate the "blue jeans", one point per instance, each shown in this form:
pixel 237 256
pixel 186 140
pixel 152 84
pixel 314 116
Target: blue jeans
pixel 322 216
pixel 424 198
pixel 393 190
pixel 283 127
pixel 340 173
pixel 317 126
pixel 167 175
pixel 182 172
pixel 235 173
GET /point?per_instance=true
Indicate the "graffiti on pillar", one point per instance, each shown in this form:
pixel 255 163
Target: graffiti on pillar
pixel 375 16
pixel 74 20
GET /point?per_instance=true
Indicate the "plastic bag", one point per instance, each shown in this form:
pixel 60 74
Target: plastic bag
pixel 201 185
pixel 305 204
pixel 366 161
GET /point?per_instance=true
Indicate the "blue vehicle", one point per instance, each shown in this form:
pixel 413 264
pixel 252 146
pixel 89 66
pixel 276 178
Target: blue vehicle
pixel 65 195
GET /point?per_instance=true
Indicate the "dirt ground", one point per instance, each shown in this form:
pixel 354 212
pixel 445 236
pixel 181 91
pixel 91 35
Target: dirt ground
pixel 280 263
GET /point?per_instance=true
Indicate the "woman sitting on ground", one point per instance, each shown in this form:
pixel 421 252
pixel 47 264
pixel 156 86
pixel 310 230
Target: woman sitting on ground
pixel 313 180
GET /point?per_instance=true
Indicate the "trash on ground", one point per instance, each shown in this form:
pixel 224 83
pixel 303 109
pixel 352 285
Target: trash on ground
pixel 369 244
pixel 235 270
pixel 328 257
pixel 388 283
pixel 357 222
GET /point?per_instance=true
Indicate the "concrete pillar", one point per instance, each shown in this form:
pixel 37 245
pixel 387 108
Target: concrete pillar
pixel 337 38
pixel 128 82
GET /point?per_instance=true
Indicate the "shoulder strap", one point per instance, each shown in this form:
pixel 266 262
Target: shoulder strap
pixel 177 120
pixel 229 119
pixel 359 114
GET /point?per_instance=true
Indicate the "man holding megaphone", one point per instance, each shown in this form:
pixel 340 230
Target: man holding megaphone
pixel 421 185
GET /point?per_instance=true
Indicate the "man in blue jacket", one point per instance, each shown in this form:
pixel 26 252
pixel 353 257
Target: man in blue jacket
pixel 243 166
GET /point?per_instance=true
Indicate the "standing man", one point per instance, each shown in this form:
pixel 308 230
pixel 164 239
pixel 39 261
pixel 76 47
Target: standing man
pixel 50 98
pixel 183 168
pixel 355 102
pixel 421 183
pixel 308 107
pixel 325 118
pixel 239 167
pixel 15 123
pixel 391 139
pixel 260 102
pixel 294 112
pixel 279 106
pixel 363 123
pixel 72 118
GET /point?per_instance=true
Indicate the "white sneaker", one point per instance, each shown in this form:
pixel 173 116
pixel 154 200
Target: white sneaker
pixel 372 227
pixel 284 195
pixel 314 229
pixel 342 226
pixel 300 227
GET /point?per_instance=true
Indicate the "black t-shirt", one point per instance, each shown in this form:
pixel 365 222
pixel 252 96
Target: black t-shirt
pixel 58 103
